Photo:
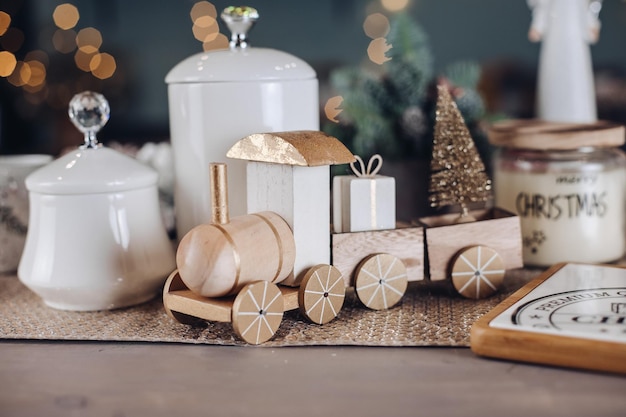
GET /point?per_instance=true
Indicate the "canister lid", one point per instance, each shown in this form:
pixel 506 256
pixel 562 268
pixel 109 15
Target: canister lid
pixel 544 135
pixel 91 171
pixel 91 168
pixel 240 63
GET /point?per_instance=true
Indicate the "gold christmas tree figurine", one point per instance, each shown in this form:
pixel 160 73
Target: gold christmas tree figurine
pixel 457 173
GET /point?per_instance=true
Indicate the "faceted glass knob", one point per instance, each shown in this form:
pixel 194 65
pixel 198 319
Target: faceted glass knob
pixel 239 21
pixel 89 111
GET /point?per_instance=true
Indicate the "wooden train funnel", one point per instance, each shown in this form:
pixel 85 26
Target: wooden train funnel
pixel 218 259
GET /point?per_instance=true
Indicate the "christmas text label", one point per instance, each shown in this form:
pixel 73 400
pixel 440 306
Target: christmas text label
pixel 566 216
pixel 554 207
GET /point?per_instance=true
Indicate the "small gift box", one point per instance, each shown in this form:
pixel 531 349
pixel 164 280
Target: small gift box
pixel 364 201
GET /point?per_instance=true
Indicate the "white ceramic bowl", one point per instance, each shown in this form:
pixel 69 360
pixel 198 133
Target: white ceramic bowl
pixel 96 239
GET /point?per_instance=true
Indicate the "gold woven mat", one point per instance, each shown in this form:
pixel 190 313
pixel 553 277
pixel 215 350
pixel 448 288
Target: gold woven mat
pixel 426 316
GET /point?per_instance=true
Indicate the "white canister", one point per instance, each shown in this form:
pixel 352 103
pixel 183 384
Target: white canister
pixel 95 239
pixel 218 97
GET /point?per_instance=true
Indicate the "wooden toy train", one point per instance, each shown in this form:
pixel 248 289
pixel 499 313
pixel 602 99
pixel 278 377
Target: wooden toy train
pixel 228 270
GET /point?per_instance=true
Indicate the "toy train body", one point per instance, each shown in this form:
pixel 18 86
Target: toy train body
pixel 228 270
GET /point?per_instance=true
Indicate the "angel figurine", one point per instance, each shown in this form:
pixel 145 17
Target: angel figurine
pixel 565 90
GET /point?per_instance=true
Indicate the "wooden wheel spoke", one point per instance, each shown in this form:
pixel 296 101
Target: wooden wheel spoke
pixel 396 277
pixel 319 300
pixel 493 258
pixel 472 266
pixel 268 305
pixel 486 281
pixel 364 287
pixel 393 289
pixel 253 299
pixel 462 274
pixel 375 277
pixel 467 284
pixel 330 294
pixel 495 271
pixel 390 268
pixel 254 322
pixel 332 308
pixel 373 297
pixel 334 284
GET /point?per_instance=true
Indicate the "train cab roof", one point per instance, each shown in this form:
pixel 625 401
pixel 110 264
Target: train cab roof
pixel 302 148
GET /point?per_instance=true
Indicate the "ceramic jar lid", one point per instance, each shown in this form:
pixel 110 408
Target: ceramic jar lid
pixel 91 168
pixel 240 62
pixel 543 135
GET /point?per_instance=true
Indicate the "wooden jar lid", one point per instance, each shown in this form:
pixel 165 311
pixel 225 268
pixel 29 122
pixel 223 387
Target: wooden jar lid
pixel 543 135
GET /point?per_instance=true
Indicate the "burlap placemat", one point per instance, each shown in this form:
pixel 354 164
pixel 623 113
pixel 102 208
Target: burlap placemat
pixel 428 315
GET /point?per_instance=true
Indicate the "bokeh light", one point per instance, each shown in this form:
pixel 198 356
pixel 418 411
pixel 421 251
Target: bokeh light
pixel 82 60
pixel 102 66
pixel 201 9
pixel 205 26
pixel 65 16
pixel 377 49
pixel 332 110
pixel 220 42
pixel 38 55
pixel 5 22
pixel 37 73
pixel 64 41
pixel 205 34
pixel 205 21
pixel 89 40
pixel 7 63
pixel 20 75
pixel 376 25
pixel 394 5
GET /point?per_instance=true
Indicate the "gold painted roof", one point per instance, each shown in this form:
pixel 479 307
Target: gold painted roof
pixel 303 148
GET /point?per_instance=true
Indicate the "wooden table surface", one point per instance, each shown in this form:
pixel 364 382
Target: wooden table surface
pixel 129 379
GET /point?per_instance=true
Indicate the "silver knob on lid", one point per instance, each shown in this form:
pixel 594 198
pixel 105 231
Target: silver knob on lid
pixel 239 20
pixel 89 111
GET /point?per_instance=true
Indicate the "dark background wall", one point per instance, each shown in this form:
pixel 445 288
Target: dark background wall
pixel 147 38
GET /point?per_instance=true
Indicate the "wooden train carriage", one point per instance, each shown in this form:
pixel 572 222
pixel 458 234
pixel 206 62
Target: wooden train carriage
pixel 474 252
pixel 473 255
pixel 380 263
pixel 406 243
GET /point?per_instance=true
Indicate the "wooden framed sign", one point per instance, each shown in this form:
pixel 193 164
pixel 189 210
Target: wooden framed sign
pixel 573 315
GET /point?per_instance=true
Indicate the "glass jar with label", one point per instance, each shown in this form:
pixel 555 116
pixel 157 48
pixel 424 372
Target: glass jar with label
pixel 571 202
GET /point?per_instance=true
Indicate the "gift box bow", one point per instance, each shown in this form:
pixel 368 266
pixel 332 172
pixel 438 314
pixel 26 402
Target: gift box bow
pixel 374 165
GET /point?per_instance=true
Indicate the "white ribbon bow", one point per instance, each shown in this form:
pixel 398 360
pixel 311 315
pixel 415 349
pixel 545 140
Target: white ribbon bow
pixel 368 171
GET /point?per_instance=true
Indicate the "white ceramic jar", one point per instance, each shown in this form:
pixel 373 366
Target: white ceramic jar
pixel 218 97
pixel 95 239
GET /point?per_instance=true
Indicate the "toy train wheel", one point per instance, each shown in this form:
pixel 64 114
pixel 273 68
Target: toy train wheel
pixel 257 312
pixel 321 294
pixel 477 272
pixel 175 283
pixel 381 281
